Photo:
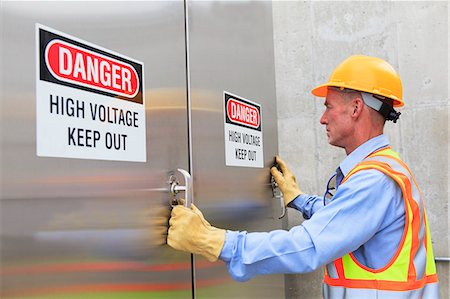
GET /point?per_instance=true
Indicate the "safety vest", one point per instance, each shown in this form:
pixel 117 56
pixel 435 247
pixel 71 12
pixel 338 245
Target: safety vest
pixel 411 273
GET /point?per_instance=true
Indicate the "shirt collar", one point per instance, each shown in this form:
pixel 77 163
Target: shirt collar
pixel 362 152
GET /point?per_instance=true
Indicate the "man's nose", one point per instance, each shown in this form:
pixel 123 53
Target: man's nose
pixel 323 119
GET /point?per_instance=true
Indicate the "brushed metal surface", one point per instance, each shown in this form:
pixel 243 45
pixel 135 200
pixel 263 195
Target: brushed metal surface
pixel 231 49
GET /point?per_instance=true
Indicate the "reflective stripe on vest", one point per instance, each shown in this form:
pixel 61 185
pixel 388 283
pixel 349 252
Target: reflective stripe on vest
pixel 411 273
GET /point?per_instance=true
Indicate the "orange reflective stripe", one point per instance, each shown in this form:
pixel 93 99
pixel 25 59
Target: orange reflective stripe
pixel 415 239
pixel 339 268
pixel 380 153
pixel 407 169
pixel 382 284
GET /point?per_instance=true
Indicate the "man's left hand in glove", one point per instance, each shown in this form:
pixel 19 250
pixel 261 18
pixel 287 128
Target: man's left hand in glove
pixel 189 231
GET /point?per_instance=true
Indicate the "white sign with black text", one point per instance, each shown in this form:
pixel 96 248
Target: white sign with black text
pixel 89 100
pixel 243 132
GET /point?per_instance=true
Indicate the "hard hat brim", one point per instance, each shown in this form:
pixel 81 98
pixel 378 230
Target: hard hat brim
pixel 320 91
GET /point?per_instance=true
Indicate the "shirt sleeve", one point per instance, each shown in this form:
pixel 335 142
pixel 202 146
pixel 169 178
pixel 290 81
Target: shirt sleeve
pixel 363 200
pixel 307 204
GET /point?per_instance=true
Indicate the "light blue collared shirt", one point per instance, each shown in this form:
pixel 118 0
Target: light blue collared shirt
pixel 366 216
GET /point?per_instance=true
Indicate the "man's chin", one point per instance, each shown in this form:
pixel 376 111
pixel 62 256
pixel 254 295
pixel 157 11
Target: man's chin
pixel 330 141
pixel 333 142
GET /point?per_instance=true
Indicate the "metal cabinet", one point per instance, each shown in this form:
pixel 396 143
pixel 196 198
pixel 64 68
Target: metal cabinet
pixel 75 227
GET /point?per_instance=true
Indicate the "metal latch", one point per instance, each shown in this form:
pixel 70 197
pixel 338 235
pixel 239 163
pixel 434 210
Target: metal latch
pixel 175 187
pixel 278 195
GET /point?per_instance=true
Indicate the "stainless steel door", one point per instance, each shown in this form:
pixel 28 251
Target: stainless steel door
pixel 231 51
pixel 73 228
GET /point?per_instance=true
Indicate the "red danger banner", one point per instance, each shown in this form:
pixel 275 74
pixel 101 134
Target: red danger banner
pixel 81 65
pixel 76 65
pixel 242 112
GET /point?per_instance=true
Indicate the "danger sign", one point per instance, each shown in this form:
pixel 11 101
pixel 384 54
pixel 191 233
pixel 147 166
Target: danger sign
pixel 89 100
pixel 243 132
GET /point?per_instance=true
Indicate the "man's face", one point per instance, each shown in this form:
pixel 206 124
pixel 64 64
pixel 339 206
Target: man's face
pixel 337 118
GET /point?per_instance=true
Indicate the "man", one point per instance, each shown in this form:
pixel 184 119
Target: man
pixel 369 229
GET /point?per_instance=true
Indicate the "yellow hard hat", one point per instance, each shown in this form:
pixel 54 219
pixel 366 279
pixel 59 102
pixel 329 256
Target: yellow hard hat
pixel 368 74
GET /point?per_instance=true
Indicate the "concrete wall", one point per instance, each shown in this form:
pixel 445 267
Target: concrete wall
pixel 311 38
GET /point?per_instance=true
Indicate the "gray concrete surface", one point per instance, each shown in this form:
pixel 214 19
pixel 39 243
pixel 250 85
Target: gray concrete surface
pixel 311 38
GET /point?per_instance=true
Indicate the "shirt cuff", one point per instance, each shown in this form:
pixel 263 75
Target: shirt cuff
pixel 299 202
pixel 229 245
pixel 306 204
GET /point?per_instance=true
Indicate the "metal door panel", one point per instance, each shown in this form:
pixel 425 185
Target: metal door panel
pixel 231 49
pixel 72 226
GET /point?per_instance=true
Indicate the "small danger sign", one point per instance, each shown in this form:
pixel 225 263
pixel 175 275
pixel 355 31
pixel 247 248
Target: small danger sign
pixel 89 100
pixel 243 132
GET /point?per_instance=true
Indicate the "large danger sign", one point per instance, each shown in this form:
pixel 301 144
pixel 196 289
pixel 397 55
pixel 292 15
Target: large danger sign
pixel 243 132
pixel 89 100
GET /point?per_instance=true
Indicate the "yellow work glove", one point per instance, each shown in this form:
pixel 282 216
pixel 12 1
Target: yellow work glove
pixel 189 231
pixel 158 220
pixel 286 181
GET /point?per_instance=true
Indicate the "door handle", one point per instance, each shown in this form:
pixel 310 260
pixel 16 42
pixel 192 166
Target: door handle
pixel 278 195
pixel 175 187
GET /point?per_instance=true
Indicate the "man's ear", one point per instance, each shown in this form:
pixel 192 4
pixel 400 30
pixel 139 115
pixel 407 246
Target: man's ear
pixel 358 105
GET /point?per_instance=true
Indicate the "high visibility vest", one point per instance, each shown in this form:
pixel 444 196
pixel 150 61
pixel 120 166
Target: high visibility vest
pixel 411 273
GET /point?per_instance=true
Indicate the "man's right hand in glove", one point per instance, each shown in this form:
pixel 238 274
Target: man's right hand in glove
pixel 189 231
pixel 286 181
